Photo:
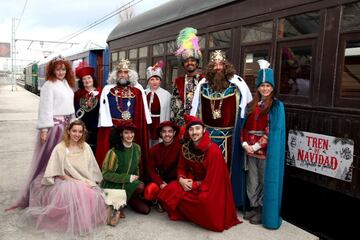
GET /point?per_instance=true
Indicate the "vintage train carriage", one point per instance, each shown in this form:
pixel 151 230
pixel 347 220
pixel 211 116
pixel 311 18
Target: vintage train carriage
pixel 314 48
pixel 31 77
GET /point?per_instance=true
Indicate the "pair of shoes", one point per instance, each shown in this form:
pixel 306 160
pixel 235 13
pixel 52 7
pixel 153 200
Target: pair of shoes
pixel 257 218
pixel 159 208
pixel 249 214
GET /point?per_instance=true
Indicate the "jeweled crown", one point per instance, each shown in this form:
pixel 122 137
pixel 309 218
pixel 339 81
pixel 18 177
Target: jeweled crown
pixel 124 64
pixel 218 56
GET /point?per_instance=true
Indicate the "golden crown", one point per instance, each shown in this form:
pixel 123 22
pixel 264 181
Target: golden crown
pixel 124 64
pixel 218 56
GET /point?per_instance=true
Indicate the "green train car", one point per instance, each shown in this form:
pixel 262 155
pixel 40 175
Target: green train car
pixel 31 77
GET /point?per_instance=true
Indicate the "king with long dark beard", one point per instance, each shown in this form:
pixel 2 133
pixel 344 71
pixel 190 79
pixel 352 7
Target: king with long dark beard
pixel 226 95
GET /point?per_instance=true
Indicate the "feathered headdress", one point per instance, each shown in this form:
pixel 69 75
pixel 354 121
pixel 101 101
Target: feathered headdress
pixel 155 70
pixel 188 44
pixel 265 74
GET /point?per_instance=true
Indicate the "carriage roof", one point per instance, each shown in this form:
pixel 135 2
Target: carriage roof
pixel 169 12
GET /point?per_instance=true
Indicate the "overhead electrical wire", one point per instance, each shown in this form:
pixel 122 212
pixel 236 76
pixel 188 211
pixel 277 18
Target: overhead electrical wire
pixel 100 20
pixel 22 13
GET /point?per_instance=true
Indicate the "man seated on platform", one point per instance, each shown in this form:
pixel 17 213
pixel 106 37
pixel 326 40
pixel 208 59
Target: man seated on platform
pixel 162 161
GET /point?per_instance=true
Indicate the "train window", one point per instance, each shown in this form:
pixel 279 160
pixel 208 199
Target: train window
pixel 350 77
pixel 250 65
pixel 114 56
pixel 295 70
pixel 122 55
pixel 298 25
pixel 142 70
pixel 171 47
pixel 350 18
pixel 220 39
pixel 143 52
pixel 133 53
pixel 257 32
pixel 202 41
pixel 158 49
pixel 133 65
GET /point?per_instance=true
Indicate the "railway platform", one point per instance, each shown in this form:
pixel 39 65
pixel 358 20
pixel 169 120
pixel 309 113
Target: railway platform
pixel 18 115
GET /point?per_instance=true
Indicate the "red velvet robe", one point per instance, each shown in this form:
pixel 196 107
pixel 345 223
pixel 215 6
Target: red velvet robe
pixel 227 121
pixel 141 134
pixel 161 166
pixel 210 202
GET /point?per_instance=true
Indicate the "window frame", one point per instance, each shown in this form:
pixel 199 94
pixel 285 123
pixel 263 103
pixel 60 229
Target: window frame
pixel 288 98
pixel 344 101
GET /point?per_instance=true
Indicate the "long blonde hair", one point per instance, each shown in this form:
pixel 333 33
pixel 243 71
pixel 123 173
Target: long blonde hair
pixel 66 135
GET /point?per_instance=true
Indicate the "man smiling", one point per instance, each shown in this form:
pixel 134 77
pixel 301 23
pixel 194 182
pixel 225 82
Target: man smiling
pixel 202 194
pixel 190 54
pixel 163 160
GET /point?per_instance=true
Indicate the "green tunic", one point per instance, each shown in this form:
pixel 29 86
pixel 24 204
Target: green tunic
pixel 118 166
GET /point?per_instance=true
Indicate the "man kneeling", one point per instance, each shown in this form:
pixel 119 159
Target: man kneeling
pixel 202 194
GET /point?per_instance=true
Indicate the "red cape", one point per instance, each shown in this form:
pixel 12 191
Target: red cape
pixel 209 204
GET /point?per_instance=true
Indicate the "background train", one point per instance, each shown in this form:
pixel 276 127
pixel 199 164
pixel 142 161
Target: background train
pixel 96 57
pixel 314 48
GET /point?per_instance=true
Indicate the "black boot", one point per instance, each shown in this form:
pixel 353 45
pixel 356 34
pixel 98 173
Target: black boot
pixel 250 214
pixel 257 218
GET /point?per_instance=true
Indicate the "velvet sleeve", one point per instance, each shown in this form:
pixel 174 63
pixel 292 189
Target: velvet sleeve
pixel 152 168
pixel 109 168
pixel 181 169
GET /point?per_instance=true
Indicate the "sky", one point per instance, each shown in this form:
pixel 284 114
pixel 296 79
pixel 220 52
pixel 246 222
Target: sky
pixel 53 20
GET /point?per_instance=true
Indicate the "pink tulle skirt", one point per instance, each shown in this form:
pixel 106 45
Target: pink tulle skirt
pixel 41 158
pixel 67 206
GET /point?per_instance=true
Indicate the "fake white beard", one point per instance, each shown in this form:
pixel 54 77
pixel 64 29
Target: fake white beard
pixel 123 81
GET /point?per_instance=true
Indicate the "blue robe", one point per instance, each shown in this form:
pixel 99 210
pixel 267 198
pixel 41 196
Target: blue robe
pixel 274 169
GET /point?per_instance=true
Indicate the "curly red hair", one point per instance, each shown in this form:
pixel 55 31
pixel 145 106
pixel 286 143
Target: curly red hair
pixel 50 71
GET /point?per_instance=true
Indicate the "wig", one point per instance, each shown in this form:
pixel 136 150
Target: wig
pixel 133 77
pixel 53 64
pixel 211 75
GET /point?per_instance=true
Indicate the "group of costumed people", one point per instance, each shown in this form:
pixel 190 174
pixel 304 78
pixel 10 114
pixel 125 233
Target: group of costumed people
pixel 198 153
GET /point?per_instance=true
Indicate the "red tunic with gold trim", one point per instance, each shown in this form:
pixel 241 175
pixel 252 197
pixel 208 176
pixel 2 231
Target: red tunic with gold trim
pixel 210 202
pixel 219 113
pixel 161 166
pixel 256 131
pixel 125 103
